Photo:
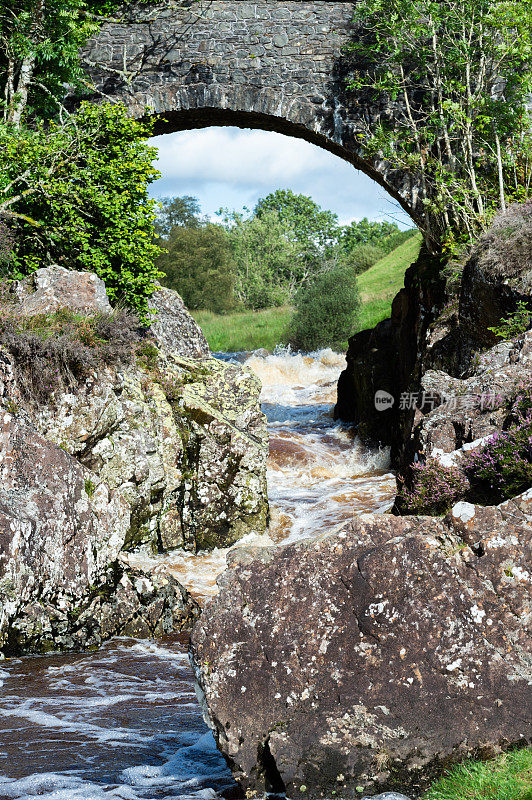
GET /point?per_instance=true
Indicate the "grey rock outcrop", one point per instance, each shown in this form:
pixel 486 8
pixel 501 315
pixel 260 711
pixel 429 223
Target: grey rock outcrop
pixel 181 438
pixel 173 328
pixel 460 411
pixel 61 532
pixel 374 657
pixel 51 288
pixel 156 451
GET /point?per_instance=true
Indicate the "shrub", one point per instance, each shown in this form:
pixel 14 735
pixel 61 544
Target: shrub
pixel 55 351
pixel 432 488
pixel 326 311
pixel 78 193
pixel 516 324
pixel 361 258
pixel 502 468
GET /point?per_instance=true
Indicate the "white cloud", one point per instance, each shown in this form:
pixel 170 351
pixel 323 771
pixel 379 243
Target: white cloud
pixel 233 167
pixel 242 157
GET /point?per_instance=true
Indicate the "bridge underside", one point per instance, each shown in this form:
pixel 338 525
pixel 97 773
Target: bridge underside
pixel 265 64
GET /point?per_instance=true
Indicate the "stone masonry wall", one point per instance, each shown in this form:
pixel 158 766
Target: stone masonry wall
pixel 264 64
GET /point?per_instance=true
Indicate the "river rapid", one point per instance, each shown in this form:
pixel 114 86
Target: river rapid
pixel 124 722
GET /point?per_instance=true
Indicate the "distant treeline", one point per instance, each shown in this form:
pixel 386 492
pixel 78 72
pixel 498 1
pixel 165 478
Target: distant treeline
pixel 284 246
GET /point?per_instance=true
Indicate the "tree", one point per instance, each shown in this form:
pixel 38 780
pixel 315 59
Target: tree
pixel 40 41
pixel 326 311
pixel 365 232
pixel 451 80
pixel 266 260
pixel 198 263
pixel 303 220
pixel 174 212
pixel 77 192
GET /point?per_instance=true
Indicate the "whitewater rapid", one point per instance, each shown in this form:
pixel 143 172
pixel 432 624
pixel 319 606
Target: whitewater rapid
pixel 124 722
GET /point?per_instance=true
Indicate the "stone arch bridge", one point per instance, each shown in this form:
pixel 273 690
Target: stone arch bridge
pixel 252 63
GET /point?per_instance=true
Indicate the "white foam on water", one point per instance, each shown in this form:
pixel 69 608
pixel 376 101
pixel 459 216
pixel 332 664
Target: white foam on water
pixel 319 473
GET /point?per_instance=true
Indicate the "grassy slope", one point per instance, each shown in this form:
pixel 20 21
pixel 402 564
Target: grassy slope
pixel 379 284
pixel 250 330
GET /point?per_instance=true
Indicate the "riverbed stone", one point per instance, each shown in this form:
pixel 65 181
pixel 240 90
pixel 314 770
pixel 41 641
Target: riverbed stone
pixel 371 658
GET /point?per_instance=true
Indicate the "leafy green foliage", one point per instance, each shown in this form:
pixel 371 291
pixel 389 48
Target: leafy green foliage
pixel 198 263
pixel 7 245
pixel 40 43
pixel 508 777
pixel 326 311
pixel 366 232
pixel 78 193
pixel 456 76
pixel 267 263
pixel 516 324
pixel 362 257
pixel 303 220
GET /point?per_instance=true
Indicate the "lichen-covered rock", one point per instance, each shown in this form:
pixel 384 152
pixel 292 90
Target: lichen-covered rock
pixel 372 658
pixel 177 433
pixel 461 411
pixel 185 444
pixel 156 451
pixel 173 328
pixel 50 288
pixel 61 532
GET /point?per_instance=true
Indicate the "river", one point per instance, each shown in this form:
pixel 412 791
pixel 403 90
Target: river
pixel 123 722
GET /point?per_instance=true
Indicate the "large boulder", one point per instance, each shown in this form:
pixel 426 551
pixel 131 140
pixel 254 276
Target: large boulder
pixel 173 328
pixel 498 275
pixel 184 442
pixel 61 532
pixel 372 658
pixel 178 433
pixel 51 288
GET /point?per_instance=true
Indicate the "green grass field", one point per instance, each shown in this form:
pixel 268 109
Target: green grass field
pixel 247 330
pixel 508 777
pixel 250 330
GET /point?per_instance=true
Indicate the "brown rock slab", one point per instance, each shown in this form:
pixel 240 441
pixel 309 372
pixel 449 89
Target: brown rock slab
pixel 371 659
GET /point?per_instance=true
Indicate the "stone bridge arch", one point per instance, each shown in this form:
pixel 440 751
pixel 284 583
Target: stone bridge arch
pixel 251 63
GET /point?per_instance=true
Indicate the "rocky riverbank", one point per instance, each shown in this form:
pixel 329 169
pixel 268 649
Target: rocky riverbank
pixel 163 449
pixel 378 655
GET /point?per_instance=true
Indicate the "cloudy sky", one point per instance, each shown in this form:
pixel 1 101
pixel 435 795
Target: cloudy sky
pixel 233 168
